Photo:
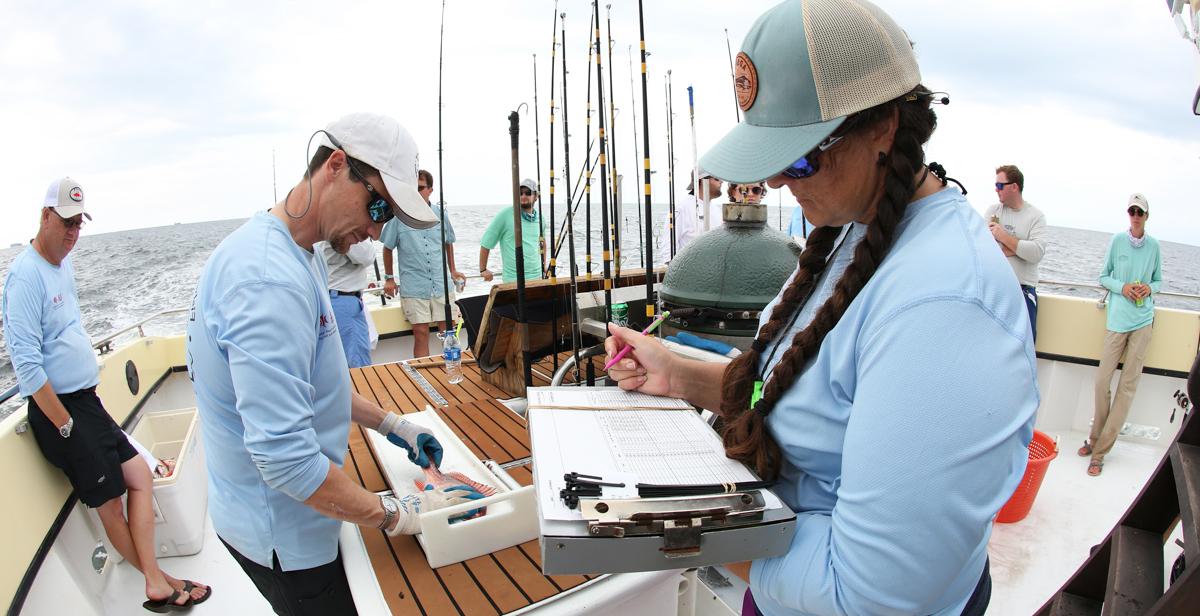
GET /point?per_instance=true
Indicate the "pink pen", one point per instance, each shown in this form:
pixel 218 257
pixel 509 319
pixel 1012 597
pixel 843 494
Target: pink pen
pixel 653 326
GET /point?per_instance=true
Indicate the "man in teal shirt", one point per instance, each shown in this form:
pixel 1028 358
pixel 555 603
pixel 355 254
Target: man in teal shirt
pixel 501 231
pixel 1132 273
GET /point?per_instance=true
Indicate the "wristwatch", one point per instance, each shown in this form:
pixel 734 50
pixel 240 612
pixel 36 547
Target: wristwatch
pixel 390 509
pixel 389 277
pixel 65 430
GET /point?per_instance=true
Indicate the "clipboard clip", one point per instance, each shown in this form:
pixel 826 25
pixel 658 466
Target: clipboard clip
pixel 680 521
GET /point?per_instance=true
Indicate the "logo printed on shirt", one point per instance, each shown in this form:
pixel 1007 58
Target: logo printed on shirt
pixel 56 301
pixel 326 325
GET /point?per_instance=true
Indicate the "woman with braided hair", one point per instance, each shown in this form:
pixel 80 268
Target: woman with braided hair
pixel 891 388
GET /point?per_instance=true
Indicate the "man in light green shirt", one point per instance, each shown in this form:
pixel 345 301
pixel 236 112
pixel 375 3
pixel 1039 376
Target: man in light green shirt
pixel 1133 274
pixel 501 231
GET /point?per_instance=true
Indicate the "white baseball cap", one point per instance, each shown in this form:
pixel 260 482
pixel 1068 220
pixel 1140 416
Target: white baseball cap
pixel 386 146
pixel 65 197
pixel 530 184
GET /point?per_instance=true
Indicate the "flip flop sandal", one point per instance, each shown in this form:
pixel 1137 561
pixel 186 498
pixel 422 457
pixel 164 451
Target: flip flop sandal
pixel 1096 466
pixel 1086 450
pixel 163 606
pixel 189 586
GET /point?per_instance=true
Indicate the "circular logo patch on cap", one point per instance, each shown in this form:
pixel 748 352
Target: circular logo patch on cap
pixel 745 81
pixel 76 194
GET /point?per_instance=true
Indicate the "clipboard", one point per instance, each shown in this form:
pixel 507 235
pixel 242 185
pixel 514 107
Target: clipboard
pixel 633 438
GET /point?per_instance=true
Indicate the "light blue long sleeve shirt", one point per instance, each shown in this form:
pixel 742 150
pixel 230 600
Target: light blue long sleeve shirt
pixel 418 256
pixel 273 392
pixel 42 326
pixel 907 432
pixel 1123 265
pixel 797 226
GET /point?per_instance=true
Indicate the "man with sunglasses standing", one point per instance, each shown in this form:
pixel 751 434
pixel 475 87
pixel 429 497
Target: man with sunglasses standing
pixel 501 232
pixel 349 275
pixel 1020 230
pixel 56 371
pixel 419 261
pixel 700 201
pixel 1133 274
pixel 271 380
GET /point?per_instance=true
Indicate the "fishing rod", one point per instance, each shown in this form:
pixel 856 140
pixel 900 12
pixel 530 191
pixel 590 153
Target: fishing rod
pixel 604 220
pixel 576 338
pixel 737 109
pixel 587 157
pixel 441 177
pixel 616 220
pixel 670 166
pixel 537 150
pixel 700 193
pixel 541 228
pixel 633 125
pixel 646 166
pixel 574 203
pixel 522 327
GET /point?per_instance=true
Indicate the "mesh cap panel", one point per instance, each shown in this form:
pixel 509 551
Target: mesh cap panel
pixel 860 57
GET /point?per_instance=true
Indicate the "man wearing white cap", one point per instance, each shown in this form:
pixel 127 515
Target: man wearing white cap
pixel 1132 274
pixel 271 379
pixel 691 211
pixel 56 370
pixel 501 231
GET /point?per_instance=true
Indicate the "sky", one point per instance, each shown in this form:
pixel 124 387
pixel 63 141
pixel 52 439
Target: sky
pixel 186 111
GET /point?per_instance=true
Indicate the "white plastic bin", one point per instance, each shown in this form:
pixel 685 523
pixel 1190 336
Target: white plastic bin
pixel 181 499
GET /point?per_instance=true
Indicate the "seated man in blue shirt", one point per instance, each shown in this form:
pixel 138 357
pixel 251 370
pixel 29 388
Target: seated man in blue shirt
pixel 271 380
pixel 56 370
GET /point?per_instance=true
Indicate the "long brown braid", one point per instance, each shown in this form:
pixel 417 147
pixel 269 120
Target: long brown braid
pixel 745 432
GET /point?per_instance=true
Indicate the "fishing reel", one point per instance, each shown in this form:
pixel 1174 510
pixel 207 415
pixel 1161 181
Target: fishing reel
pixel 1181 402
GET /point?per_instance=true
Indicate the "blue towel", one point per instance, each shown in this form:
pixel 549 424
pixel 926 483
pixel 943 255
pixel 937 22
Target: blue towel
pixel 692 340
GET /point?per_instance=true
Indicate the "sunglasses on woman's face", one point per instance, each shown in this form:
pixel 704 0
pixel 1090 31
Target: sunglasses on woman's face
pixel 1136 211
pixel 755 190
pixel 807 166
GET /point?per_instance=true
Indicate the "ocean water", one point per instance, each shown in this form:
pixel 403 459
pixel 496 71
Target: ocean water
pixel 127 276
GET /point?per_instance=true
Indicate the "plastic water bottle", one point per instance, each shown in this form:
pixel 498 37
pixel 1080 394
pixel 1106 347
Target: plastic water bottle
pixel 452 356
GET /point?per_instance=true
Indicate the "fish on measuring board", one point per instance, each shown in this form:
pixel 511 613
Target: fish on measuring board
pixel 435 479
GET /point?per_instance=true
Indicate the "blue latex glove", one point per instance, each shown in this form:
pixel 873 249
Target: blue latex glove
pixel 422 446
pixel 461 492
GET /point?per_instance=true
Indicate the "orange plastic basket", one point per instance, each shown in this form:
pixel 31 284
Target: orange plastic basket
pixel 1041 452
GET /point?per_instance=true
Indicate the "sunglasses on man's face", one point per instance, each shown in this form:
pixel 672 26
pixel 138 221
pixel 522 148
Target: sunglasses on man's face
pixel 421 187
pixel 378 208
pixel 807 166
pixel 73 223
pixel 525 192
pixel 1001 185
pixel 1136 211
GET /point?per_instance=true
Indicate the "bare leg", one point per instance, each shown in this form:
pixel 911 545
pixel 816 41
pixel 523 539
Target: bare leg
pixel 420 333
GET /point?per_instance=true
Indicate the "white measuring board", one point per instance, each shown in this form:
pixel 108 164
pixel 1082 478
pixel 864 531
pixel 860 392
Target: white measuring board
pixel 629 443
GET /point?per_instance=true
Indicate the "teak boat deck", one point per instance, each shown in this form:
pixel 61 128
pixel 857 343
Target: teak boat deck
pixel 496 583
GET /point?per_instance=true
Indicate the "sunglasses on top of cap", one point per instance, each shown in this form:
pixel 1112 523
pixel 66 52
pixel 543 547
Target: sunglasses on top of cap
pixel 378 208
pixel 1136 211
pixel 807 166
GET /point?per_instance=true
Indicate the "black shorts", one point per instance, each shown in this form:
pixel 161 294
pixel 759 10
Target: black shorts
pixel 92 456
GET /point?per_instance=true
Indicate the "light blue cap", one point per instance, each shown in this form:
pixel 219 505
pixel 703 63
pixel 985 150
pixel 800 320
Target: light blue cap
pixel 804 67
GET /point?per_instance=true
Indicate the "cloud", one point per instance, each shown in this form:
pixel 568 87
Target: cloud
pixel 171 111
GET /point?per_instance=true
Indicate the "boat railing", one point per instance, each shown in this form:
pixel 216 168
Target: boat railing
pixel 1097 287
pixel 105 344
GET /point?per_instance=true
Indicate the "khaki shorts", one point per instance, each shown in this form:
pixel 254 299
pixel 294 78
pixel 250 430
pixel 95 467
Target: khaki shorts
pixel 418 310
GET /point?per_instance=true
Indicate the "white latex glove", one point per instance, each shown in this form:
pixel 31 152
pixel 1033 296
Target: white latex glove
pixel 413 505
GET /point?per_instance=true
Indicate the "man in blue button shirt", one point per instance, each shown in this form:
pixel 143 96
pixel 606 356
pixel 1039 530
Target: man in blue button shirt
pixel 419 256
pixel 56 370
pixel 272 383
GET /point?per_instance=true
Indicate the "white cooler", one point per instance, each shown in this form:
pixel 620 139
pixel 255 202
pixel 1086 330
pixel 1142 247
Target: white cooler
pixel 181 499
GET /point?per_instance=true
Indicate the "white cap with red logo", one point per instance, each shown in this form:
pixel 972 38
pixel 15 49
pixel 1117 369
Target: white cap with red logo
pixel 65 197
